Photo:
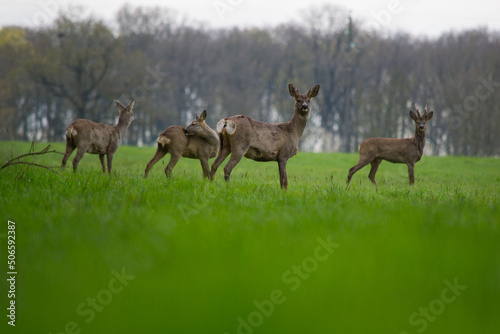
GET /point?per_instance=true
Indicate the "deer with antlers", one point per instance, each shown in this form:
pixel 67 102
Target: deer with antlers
pixel 408 150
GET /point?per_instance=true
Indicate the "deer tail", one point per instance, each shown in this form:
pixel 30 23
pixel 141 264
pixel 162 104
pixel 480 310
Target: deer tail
pixel 163 141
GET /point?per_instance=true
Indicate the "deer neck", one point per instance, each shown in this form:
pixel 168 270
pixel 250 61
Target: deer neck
pixel 419 140
pixel 298 124
pixel 210 136
pixel 121 128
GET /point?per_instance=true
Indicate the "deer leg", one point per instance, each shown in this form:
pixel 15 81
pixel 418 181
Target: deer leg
pixel 174 158
pixel 70 147
pixel 283 176
pixel 233 161
pixel 361 163
pixel 80 151
pixel 206 168
pixel 101 157
pixel 157 157
pixel 223 153
pixel 109 157
pixel 411 174
pixel 375 163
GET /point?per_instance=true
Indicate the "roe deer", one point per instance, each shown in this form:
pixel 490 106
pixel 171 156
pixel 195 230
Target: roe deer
pixel 96 138
pixel 197 141
pixel 408 150
pixel 243 136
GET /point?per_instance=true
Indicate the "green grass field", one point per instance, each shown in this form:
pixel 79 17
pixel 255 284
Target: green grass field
pixel 123 254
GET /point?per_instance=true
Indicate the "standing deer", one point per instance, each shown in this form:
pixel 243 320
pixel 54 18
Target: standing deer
pixel 408 150
pixel 242 136
pixel 197 141
pixel 96 138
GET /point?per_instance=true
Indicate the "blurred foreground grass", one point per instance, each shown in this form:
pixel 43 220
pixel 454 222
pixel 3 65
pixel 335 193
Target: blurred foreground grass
pixel 124 254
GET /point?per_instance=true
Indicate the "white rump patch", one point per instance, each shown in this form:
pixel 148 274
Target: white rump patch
pixel 71 132
pixel 162 140
pixel 220 125
pixel 230 127
pixel 227 124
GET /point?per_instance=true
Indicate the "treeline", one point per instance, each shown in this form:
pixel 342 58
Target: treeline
pixel 75 67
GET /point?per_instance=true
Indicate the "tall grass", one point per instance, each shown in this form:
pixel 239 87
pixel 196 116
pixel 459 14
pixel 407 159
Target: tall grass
pixel 246 257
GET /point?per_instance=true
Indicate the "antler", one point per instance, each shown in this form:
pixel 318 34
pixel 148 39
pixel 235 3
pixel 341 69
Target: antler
pixel 416 110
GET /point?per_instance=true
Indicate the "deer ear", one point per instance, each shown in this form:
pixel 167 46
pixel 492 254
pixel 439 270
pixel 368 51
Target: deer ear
pixel 131 105
pixel 313 91
pixel 203 115
pixel 293 90
pixel 429 116
pixel 413 116
pixel 119 105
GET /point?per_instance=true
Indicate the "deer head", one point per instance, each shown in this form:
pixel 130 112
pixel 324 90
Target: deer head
pixel 303 101
pixel 197 126
pixel 420 120
pixel 126 112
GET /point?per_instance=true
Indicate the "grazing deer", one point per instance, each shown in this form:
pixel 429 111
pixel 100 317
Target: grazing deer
pixel 197 141
pixel 408 150
pixel 96 138
pixel 242 136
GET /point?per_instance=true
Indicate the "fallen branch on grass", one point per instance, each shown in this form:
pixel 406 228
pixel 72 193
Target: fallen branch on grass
pixel 16 160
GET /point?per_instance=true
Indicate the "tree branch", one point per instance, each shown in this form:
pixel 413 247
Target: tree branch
pixel 15 161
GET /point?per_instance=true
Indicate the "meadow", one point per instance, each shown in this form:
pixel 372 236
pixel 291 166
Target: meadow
pixel 122 254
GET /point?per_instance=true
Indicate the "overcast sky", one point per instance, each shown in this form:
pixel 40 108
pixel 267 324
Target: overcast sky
pixel 418 17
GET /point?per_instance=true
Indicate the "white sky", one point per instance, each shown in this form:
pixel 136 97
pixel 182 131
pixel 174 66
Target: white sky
pixel 418 17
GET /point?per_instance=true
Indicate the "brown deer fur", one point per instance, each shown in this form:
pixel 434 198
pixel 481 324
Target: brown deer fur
pixel 408 150
pixel 242 136
pixel 197 141
pixel 95 138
